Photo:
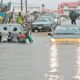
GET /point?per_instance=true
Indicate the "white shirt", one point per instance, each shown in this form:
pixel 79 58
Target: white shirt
pixel 4 35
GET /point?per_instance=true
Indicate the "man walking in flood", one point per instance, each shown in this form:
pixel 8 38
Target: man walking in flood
pixel 20 19
pixel 73 17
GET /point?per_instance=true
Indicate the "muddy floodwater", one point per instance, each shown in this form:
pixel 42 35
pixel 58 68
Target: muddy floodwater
pixel 40 60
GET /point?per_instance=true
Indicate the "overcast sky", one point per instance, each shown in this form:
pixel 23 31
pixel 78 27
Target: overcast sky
pixel 51 4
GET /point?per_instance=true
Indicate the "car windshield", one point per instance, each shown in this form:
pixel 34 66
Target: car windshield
pixel 43 19
pixel 52 15
pixel 67 30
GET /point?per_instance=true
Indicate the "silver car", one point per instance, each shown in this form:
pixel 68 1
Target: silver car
pixel 66 33
pixel 43 23
pixel 14 29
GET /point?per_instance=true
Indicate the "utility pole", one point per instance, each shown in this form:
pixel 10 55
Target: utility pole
pixel 26 5
pixel 21 5
pixel 26 9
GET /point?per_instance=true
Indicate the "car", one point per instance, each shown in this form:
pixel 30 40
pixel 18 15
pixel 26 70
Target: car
pixel 55 17
pixel 43 23
pixel 66 33
pixel 14 29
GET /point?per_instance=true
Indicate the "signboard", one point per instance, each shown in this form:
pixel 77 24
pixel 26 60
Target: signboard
pixel 2 14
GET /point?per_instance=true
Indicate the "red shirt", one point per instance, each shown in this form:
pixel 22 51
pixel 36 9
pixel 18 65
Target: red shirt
pixel 22 36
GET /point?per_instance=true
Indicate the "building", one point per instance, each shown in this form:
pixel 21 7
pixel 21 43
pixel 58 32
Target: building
pixel 30 7
pixel 65 7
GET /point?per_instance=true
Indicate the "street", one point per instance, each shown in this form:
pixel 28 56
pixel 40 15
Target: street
pixel 40 60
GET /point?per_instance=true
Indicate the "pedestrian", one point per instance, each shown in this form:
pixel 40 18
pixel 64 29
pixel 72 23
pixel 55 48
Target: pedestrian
pixel 0 36
pixel 20 19
pixel 9 37
pixel 15 34
pixel 29 34
pixel 73 17
pixel 4 34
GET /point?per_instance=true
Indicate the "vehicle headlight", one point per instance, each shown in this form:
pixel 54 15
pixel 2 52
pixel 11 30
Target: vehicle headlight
pixel 52 40
pixel 79 40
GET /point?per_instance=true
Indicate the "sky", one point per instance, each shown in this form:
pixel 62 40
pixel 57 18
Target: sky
pixel 50 4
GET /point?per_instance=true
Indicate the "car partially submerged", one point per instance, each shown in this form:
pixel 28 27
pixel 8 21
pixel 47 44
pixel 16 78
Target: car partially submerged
pixel 14 29
pixel 66 33
pixel 43 23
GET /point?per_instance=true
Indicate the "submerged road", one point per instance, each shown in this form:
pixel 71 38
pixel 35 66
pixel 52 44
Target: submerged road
pixel 40 60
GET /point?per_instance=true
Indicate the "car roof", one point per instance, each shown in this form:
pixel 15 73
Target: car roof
pixel 10 27
pixel 11 24
pixel 67 29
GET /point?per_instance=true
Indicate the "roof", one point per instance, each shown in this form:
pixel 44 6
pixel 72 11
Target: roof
pixel 69 4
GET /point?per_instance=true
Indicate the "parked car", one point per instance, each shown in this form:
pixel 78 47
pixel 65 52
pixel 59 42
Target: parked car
pixel 14 29
pixel 43 23
pixel 66 33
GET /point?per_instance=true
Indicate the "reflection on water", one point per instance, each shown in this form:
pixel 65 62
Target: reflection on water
pixel 63 62
pixel 52 75
pixel 78 64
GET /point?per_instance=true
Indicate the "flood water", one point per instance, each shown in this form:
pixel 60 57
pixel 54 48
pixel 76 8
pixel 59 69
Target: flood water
pixel 40 60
